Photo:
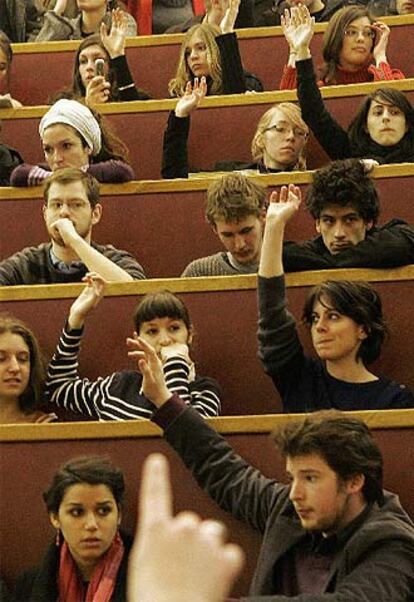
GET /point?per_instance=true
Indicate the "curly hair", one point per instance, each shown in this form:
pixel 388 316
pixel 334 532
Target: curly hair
pixel 334 36
pixel 208 33
pixel 343 183
pixel 358 301
pixel 234 197
pixel 32 396
pixel 293 114
pixel 344 442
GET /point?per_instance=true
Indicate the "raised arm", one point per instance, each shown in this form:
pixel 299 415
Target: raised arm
pixel 174 155
pixel 298 30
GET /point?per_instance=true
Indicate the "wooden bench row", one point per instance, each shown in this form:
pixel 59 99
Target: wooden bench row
pixel 40 70
pixel 224 314
pixel 33 453
pixel 141 125
pixel 162 223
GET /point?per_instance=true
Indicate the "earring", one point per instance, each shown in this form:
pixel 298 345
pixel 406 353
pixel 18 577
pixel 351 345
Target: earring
pixel 57 538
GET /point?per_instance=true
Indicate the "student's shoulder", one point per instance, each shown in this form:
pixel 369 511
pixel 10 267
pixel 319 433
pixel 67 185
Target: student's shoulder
pixel 212 265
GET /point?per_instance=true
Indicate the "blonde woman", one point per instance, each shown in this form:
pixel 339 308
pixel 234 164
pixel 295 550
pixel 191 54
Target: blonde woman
pixel 212 52
pixel 278 144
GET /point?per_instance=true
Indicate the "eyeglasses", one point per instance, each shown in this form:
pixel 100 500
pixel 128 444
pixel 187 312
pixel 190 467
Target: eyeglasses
pixel 283 130
pixel 353 32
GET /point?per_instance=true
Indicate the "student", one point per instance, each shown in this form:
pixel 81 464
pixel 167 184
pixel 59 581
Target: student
pixel 351 42
pixel 20 20
pixel 72 136
pixel 22 374
pixel 343 200
pixel 271 13
pixel 236 211
pixel 347 329
pixel 332 533
pixel 71 209
pixel 117 83
pixel 383 128
pixel 278 144
pixel 89 558
pixel 213 53
pixel 161 319
pixel 195 550
pixel 6 57
pixel 91 14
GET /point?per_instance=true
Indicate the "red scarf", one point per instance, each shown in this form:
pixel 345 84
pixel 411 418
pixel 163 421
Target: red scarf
pixel 142 11
pixel 102 583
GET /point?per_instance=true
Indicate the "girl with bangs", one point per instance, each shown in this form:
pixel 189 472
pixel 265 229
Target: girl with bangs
pixel 354 47
pixel 163 321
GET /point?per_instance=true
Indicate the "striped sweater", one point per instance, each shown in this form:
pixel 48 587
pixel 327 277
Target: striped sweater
pixel 119 396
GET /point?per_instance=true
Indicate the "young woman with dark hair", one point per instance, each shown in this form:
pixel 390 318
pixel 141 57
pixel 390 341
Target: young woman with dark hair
pixel 383 128
pixel 6 57
pixel 354 47
pixel 346 325
pixel 163 320
pixel 73 135
pixel 89 558
pixel 22 374
pixel 116 83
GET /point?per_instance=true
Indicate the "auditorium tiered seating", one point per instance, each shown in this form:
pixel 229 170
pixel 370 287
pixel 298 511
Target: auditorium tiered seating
pixel 224 314
pixel 166 223
pixel 41 69
pixel 141 126
pixel 30 455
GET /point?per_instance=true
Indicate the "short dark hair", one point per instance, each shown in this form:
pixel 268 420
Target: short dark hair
pixel 32 396
pixel 67 175
pixel 93 470
pixel 234 197
pixel 343 183
pixel 360 302
pixel 344 442
pixel 161 304
pixel 358 133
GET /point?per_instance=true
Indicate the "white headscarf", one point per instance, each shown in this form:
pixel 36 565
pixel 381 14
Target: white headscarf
pixel 77 115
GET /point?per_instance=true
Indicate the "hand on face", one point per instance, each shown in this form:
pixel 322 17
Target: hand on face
pixel 63 231
pixel 282 209
pixel 379 51
pixel 172 557
pixel 174 350
pixel 192 97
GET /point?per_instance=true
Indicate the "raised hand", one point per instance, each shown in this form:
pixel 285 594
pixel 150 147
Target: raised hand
pixel 150 366
pixel 298 27
pixel 379 52
pixel 89 298
pixel 60 7
pixel 217 11
pixel 114 40
pixel 192 97
pixel 282 207
pixel 181 558
pixel 230 16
